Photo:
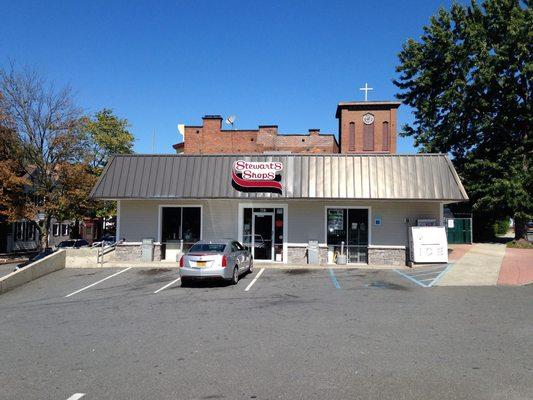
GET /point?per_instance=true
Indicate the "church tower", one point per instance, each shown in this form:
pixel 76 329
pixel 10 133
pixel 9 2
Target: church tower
pixel 367 127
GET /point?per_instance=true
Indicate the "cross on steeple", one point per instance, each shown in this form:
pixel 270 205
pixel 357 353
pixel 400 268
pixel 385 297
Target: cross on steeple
pixel 366 89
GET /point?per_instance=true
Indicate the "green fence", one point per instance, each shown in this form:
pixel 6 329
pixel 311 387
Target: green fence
pixel 459 231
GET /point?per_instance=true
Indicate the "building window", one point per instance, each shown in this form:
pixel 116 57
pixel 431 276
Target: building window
pixel 24 231
pixel 352 137
pixel 55 229
pixel 30 230
pixel 368 137
pixel 181 223
pixel 64 229
pixel 386 137
pixel 347 232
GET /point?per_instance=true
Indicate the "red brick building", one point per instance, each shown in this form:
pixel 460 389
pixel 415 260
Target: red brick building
pixel 364 127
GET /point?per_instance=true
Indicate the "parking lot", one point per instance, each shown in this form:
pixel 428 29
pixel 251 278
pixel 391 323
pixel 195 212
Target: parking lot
pixel 134 333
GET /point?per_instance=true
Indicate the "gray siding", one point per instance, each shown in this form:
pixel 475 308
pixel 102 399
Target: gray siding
pixel 306 219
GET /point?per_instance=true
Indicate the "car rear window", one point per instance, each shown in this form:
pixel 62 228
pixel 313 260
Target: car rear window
pixel 209 247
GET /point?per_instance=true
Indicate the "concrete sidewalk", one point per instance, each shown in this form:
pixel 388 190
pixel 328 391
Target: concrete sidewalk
pixel 480 266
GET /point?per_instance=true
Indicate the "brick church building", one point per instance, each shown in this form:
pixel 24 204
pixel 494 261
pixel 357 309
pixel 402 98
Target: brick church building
pixel 364 127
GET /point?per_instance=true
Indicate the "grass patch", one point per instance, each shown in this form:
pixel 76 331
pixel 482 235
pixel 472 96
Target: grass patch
pixel 520 244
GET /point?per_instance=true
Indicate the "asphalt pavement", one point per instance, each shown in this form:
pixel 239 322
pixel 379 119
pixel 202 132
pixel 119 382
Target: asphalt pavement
pixel 290 334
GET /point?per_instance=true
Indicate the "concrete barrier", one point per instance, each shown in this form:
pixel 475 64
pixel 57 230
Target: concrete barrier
pixel 84 258
pixel 51 263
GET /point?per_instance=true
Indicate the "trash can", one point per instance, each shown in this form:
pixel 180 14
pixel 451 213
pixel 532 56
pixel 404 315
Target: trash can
pixel 342 259
pixel 313 253
pixel 147 250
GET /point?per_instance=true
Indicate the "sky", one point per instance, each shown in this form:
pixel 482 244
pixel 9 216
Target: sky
pixel 163 63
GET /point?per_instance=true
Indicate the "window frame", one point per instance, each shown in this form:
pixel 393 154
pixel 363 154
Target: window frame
pixel 54 226
pixel 67 230
pixel 160 218
pixel 340 206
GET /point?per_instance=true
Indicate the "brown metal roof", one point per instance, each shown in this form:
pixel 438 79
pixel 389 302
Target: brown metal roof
pixel 331 176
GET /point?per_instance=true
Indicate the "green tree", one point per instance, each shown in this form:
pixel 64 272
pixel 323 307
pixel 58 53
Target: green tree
pixel 46 123
pixel 469 80
pixel 107 134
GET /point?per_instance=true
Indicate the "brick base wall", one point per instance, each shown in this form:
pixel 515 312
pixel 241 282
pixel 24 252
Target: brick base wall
pixel 387 256
pixel 132 252
pixel 298 255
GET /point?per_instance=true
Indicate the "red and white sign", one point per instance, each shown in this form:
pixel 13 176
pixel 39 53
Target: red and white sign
pixel 257 176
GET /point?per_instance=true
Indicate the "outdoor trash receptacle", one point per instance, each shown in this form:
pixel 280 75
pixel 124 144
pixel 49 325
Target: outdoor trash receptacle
pixel 147 250
pixel 342 259
pixel 313 253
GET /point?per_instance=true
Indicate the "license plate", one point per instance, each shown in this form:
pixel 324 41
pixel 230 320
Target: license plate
pixel 200 263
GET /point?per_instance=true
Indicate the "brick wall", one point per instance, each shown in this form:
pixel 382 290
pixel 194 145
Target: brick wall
pixel 353 113
pixel 210 138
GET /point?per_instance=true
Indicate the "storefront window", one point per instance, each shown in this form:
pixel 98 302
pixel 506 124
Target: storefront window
pixel 181 223
pixel 347 233
pixel 247 229
pixel 191 224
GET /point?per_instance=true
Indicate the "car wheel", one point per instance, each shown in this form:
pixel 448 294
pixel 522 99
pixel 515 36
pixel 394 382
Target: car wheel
pixel 235 276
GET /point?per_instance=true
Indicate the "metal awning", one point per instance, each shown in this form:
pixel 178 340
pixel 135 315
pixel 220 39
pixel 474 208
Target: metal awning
pixel 331 176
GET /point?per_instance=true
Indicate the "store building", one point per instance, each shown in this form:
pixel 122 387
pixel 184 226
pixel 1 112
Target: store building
pixel 362 198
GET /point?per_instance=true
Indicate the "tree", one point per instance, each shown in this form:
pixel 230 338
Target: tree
pixel 14 204
pixel 468 80
pixel 107 135
pixel 47 126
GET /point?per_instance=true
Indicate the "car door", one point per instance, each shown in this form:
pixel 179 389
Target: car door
pixel 238 254
pixel 244 255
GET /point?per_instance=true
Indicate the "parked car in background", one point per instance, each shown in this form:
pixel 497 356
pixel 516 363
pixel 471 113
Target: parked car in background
pixel 108 241
pixel 225 259
pixel 73 244
pixel 38 257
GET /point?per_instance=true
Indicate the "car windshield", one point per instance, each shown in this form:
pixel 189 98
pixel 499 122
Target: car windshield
pixel 67 243
pixel 208 247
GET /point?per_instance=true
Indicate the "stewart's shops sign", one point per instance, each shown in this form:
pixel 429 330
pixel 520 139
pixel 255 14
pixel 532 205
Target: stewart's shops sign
pixel 248 176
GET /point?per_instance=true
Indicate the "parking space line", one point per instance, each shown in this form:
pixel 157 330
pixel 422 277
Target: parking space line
pixel 96 283
pixel 254 280
pixel 416 281
pixel 76 396
pixel 333 278
pixel 441 275
pixel 427 282
pixel 167 285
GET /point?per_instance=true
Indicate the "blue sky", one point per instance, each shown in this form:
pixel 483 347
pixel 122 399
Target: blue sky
pixel 162 63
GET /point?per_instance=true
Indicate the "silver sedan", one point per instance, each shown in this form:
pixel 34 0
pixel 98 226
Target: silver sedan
pixel 225 258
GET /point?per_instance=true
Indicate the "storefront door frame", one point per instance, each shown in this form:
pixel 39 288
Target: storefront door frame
pixel 263 214
pixel 369 210
pixel 259 204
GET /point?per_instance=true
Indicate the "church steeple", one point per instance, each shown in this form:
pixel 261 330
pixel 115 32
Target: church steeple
pixel 367 126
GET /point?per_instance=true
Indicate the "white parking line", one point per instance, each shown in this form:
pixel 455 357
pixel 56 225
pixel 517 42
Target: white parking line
pixel 255 279
pixel 96 283
pixel 76 396
pixel 167 285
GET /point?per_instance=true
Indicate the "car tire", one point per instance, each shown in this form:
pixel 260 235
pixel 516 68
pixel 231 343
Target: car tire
pixel 235 276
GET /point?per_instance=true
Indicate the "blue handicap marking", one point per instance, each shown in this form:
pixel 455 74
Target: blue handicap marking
pixel 333 278
pixel 425 277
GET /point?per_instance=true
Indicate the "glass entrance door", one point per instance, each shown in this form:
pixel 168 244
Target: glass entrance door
pixel 357 236
pixel 262 236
